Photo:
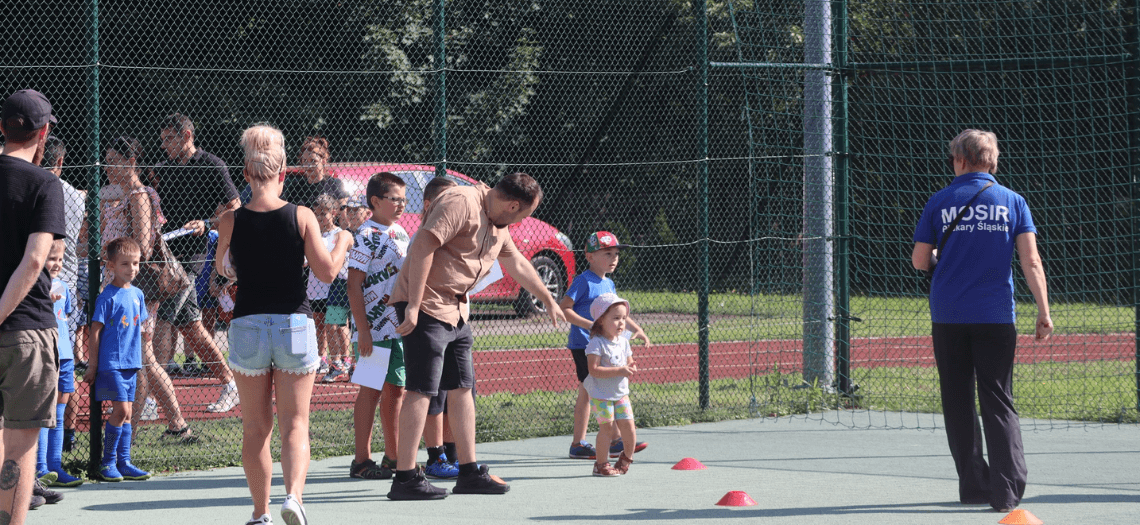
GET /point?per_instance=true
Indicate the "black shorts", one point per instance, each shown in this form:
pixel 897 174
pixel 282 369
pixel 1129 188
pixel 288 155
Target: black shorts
pixel 437 356
pixel 438 402
pixel 318 305
pixel 580 364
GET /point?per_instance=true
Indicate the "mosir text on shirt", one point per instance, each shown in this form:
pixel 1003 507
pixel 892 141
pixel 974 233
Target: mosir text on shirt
pixel 989 217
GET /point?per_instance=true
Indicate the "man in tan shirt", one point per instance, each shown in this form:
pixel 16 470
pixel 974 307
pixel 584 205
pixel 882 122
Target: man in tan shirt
pixel 462 234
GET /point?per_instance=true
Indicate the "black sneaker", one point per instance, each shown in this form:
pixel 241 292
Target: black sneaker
pixel 480 483
pixel 368 469
pixel 49 496
pixel 416 488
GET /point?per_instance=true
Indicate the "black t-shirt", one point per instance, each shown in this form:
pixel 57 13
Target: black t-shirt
pixel 192 192
pixel 298 190
pixel 31 201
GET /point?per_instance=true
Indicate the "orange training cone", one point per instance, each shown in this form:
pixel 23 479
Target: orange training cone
pixel 1021 517
pixel 689 464
pixel 736 498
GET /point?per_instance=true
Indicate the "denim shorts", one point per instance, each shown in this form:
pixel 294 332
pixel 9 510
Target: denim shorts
pixel 116 384
pixel 285 342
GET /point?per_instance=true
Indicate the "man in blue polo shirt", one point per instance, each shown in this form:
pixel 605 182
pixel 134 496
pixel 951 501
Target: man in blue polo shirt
pixel 972 311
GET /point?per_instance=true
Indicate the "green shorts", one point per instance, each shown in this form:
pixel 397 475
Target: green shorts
pixel 395 361
pixel 336 315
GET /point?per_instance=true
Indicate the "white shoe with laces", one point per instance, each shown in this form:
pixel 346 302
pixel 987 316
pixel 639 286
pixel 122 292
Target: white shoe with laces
pixel 227 400
pixel 263 520
pixel 149 411
pixel 292 512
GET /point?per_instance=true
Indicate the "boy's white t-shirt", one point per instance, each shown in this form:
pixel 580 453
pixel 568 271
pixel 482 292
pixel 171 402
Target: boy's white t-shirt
pixel 379 253
pixel 612 353
pixel 317 289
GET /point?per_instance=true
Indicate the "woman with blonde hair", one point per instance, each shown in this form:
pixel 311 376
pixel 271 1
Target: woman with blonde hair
pixel 273 345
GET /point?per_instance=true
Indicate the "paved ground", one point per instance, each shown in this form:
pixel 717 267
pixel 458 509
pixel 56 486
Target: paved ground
pixel 798 471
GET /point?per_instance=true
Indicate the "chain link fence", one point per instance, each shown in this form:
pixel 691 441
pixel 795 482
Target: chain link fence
pixel 766 160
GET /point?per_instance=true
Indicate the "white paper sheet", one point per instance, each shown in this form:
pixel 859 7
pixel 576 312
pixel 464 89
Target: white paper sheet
pixel 181 232
pixel 495 274
pixel 370 371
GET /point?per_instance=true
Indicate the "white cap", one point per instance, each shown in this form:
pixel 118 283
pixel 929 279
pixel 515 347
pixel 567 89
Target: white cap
pixel 604 302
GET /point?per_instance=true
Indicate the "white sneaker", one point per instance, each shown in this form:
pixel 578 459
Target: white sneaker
pixel 149 411
pixel 264 519
pixel 227 400
pixel 292 512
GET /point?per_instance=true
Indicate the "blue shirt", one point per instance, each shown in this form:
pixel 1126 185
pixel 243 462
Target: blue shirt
pixel 586 287
pixel 974 281
pixel 62 307
pixel 122 312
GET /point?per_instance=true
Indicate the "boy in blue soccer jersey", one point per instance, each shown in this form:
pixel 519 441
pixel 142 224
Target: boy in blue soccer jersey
pixel 49 456
pixel 602 255
pixel 116 356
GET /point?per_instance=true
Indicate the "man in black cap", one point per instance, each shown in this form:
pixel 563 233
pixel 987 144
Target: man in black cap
pixel 32 215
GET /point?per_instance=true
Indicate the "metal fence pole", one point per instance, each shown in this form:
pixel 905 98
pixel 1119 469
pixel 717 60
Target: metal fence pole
pixel 94 242
pixel 1132 73
pixel 818 299
pixel 703 155
pixel 441 89
pixel 842 203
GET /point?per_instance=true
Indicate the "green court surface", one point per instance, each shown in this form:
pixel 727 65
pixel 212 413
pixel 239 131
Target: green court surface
pixel 797 470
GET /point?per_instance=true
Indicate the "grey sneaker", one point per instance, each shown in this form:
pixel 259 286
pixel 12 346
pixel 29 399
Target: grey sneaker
pixel 416 488
pixel 37 502
pixel 480 483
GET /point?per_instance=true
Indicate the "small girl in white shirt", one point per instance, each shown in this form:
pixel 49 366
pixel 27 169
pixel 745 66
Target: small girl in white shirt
pixel 611 364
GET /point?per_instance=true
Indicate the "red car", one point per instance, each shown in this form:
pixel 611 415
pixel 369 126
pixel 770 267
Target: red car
pixel 549 250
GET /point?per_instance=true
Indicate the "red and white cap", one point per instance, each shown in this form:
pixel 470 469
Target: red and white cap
pixel 603 239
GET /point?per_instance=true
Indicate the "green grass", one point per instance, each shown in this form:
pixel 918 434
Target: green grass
pixel 670 318
pixel 1094 391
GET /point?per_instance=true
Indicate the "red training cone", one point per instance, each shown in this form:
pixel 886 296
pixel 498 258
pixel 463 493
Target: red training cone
pixel 689 464
pixel 736 498
pixel 1021 517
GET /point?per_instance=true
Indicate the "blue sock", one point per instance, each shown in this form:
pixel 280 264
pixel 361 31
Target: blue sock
pixel 111 435
pixel 41 452
pixel 125 444
pixel 55 441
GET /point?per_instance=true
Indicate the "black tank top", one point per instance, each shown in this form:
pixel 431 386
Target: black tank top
pixel 268 254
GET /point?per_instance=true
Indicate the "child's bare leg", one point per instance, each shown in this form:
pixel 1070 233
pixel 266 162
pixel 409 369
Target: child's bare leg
pixel 581 415
pixel 322 336
pixel 340 340
pixel 120 413
pixel 363 418
pixel 605 430
pixel 392 397
pixel 628 433
pixel 433 430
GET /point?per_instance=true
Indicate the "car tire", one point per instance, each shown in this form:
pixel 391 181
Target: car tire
pixel 553 276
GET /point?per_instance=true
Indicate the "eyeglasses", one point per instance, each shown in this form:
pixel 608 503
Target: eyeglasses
pixel 397 200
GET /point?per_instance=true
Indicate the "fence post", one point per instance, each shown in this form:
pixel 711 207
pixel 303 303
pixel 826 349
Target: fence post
pixel 703 166
pixel 441 89
pixel 94 243
pixel 818 299
pixel 1132 72
pixel 842 203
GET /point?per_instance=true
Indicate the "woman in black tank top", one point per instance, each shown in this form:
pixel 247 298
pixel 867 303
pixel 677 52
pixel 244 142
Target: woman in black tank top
pixel 272 337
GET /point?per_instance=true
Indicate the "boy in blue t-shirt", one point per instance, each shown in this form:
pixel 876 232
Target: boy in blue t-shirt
pixel 49 456
pixel 602 255
pixel 116 356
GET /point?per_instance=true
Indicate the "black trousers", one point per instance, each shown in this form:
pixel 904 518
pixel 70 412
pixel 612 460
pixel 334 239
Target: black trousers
pixel 983 354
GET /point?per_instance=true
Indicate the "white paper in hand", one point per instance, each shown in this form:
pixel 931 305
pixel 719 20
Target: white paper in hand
pixel 181 232
pixel 495 274
pixel 372 370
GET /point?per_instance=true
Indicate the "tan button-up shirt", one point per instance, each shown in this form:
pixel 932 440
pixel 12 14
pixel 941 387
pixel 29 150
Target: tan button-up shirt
pixel 469 245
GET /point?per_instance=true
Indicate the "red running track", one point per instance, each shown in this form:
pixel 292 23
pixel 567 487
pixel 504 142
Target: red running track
pixel 551 369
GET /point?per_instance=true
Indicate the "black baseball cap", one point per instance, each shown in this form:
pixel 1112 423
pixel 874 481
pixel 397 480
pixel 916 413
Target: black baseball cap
pixel 30 104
